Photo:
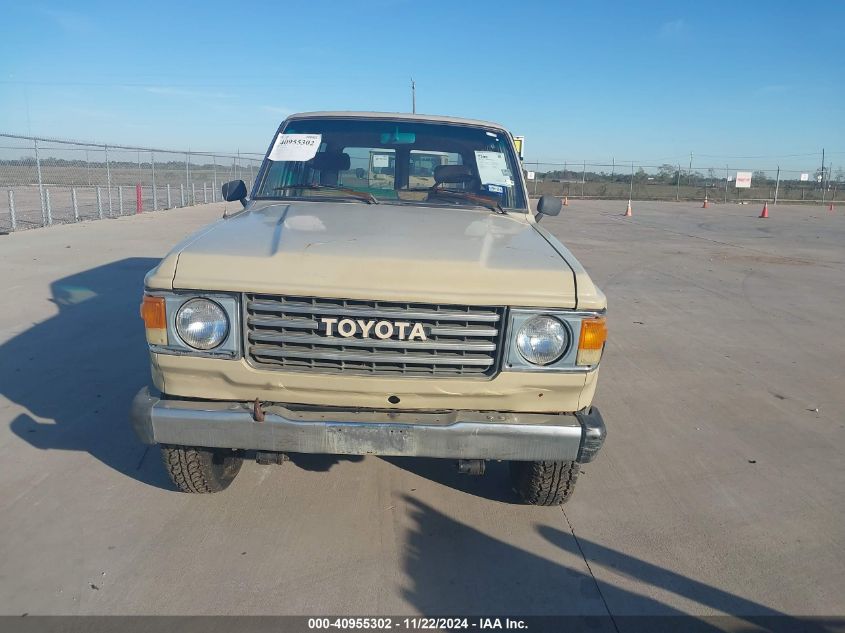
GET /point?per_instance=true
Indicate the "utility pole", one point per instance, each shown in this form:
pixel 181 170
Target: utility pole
pixel 822 167
pixel 689 177
pixel 413 96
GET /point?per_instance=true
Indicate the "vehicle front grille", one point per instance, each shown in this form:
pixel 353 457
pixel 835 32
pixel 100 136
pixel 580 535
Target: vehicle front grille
pixel 286 333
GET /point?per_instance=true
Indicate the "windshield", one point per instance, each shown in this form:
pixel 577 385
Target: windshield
pixel 394 161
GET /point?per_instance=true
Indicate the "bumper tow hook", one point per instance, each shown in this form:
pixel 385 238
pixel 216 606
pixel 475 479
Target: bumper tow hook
pixel 257 411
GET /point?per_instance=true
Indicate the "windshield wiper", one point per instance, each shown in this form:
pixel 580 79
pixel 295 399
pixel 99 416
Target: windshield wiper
pixel 483 201
pixel 361 195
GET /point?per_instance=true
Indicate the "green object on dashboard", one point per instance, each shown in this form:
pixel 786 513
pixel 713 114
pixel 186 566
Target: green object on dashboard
pixel 398 138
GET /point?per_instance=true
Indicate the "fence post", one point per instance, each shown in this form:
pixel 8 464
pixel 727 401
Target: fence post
pixel 108 178
pixel 678 185
pixel 205 192
pixel 49 207
pixel 40 183
pixel 727 175
pixel 777 186
pixel 824 188
pixel 12 209
pixel 99 204
pixel 153 167
pixel 214 186
pixel 139 201
pixel 75 204
pixel 169 205
pixel 187 175
pixel 631 193
pixel 193 193
pixel 583 178
pixel 182 194
pixel 120 198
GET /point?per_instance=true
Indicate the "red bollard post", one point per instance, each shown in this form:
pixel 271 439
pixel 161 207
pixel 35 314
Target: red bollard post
pixel 139 201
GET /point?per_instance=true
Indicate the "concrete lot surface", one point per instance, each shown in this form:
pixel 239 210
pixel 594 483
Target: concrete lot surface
pixel 721 488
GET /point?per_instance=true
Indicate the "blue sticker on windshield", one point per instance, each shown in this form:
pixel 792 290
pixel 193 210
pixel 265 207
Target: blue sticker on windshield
pixel 495 189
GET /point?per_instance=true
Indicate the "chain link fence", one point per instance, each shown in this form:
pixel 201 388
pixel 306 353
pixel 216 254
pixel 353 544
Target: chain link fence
pixel 623 181
pixel 51 181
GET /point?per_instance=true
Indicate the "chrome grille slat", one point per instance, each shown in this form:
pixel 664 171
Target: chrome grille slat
pixel 353 312
pixel 372 357
pixel 465 331
pixel 282 333
pixel 300 339
pixel 283 323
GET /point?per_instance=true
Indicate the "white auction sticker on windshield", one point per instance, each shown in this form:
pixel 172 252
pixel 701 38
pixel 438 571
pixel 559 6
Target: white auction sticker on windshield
pixel 493 169
pixel 297 147
pixel 381 160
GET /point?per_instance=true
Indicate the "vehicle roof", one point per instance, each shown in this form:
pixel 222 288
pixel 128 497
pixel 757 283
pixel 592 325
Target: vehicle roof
pixel 396 115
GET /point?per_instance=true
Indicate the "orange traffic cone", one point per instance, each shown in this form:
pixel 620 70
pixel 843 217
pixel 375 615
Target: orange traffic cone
pixel 566 201
pixel 704 206
pixel 628 213
pixel 765 212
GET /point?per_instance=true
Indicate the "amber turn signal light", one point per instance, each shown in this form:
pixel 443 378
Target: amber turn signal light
pixel 591 341
pixel 155 320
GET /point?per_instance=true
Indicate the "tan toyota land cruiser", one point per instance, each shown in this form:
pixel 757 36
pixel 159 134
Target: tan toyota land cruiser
pixel 386 289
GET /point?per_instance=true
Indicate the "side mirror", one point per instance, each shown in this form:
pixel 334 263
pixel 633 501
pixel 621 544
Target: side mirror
pixel 234 190
pixel 549 205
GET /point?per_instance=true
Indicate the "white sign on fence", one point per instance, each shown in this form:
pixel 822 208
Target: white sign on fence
pixel 530 175
pixel 743 180
pixel 805 177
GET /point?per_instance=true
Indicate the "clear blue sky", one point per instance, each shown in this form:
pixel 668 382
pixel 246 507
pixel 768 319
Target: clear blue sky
pixel 581 80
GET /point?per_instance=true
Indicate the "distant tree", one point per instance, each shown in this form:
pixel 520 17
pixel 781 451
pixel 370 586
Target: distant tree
pixel 667 171
pixel 759 177
pixel 640 175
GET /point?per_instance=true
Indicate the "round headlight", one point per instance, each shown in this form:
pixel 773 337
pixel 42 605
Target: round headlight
pixel 202 324
pixel 542 340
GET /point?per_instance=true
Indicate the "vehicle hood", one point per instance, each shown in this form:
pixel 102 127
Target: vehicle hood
pixel 387 252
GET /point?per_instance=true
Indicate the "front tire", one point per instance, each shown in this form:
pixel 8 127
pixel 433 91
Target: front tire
pixel 544 483
pixel 200 470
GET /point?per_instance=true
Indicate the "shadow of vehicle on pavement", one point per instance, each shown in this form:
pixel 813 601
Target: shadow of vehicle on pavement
pixel 494 485
pixel 455 568
pixel 77 372
pixel 320 463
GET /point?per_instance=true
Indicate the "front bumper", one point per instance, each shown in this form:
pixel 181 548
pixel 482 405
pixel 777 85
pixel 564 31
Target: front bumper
pixel 448 434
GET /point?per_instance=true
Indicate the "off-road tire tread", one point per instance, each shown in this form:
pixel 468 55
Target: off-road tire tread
pixel 544 483
pixel 192 470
